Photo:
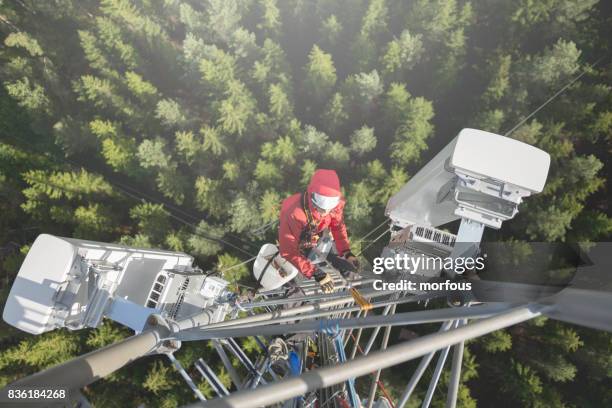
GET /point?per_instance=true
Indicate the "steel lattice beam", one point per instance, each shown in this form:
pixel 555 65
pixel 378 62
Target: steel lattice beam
pixel 328 376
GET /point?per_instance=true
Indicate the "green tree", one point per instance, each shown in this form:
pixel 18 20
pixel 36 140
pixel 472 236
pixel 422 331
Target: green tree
pixel 209 196
pixel 212 140
pixel 158 379
pixel 320 73
pixel 237 109
pixel 280 106
pixel 335 114
pixel 269 206
pixel 412 133
pixel 170 113
pixel 402 53
pixel 152 220
pixel 363 140
pixel 243 216
pixel 205 240
pixel 363 89
pixel 152 154
pixel 270 17
pixel 331 29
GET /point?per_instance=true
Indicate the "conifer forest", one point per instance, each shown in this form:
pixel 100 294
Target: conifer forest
pixel 183 124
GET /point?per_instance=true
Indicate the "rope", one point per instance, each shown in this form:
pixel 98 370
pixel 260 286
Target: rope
pixel 559 92
pixel 363 303
pixel 372 231
pixel 330 327
pixel 372 243
pixel 237 265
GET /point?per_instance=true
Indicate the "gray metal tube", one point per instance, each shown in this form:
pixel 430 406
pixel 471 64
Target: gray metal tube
pixel 227 364
pixel 357 338
pixel 331 312
pixel 383 346
pixel 179 367
pixel 453 384
pixel 325 377
pixel 346 336
pixel 286 312
pixel 421 317
pixel 85 369
pixel 374 334
pixel 418 373
pixel 274 302
pixel 436 375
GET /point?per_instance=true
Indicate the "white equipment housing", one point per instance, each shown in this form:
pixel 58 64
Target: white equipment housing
pixel 478 176
pixel 278 271
pixel 73 283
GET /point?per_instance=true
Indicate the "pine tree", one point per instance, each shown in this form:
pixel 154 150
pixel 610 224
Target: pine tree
pixel 269 206
pixel 244 216
pixel 235 274
pixel 402 53
pixel 270 17
pixel 158 379
pixel 188 146
pixel 212 140
pixel 30 96
pixel 358 206
pixel 280 106
pixel 152 220
pixel 204 240
pixel 320 73
pixel 170 113
pixel 337 154
pixel 363 89
pixel 363 140
pixel 244 44
pixel 331 29
pixel 312 142
pixel 143 90
pixel 335 114
pixel 152 154
pixel 209 196
pixel 412 133
pixel 237 109
pixel 555 64
pixel 93 222
pixel 24 40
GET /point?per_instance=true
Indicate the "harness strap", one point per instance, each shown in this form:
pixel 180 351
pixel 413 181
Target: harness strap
pixel 310 231
pixel 306 208
pixel 265 269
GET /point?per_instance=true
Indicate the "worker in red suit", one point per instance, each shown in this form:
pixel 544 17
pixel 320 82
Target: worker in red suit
pixel 305 218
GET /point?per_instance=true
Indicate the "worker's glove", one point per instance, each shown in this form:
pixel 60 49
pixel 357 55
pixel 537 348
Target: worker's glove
pixel 342 265
pixel 350 257
pixel 326 282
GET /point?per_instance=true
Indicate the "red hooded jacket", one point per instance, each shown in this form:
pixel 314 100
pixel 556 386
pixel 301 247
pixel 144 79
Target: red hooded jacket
pixel 293 220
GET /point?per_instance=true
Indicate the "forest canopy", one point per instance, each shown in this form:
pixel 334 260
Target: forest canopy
pixel 182 124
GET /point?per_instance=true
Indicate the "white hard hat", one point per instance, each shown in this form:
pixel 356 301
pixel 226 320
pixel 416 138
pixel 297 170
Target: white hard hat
pixel 325 202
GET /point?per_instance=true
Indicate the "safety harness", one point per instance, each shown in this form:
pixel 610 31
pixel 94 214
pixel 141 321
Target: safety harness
pixel 309 235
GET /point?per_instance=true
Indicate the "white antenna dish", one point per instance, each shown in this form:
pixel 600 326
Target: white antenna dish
pixel 73 283
pixel 480 176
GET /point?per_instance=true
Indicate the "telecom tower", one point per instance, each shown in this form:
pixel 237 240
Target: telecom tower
pixel 479 178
